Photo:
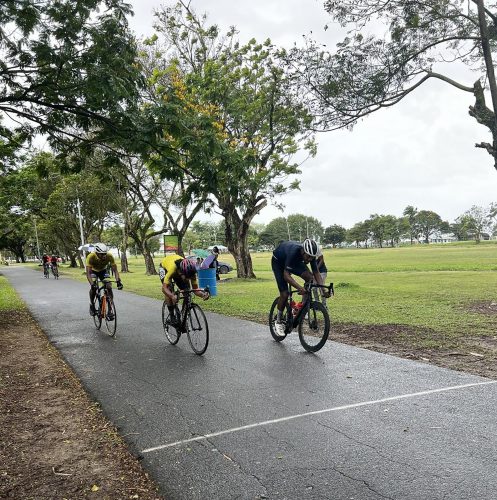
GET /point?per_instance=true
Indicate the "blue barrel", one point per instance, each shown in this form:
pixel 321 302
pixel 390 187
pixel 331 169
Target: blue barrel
pixel 207 277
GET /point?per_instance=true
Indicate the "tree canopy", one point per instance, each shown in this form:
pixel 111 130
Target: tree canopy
pixel 423 39
pixel 67 71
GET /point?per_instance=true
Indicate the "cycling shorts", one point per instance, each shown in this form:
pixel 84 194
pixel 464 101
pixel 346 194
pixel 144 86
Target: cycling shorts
pixel 101 275
pixel 279 270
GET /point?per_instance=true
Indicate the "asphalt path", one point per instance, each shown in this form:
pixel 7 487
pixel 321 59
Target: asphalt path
pixel 253 418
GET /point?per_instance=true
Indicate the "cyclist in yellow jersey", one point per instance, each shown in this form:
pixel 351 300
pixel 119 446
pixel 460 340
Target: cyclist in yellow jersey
pixel 180 270
pixel 96 269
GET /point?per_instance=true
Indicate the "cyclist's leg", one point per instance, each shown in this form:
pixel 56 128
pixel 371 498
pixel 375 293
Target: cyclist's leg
pixel 278 271
pixel 93 293
pixel 323 298
pixel 173 316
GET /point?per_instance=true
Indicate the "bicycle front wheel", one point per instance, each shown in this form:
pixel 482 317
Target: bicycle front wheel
pixel 314 327
pixel 110 317
pixel 55 273
pixel 170 331
pixel 197 329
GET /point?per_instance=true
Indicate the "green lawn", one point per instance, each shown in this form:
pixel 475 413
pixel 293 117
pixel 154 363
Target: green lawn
pixel 429 286
pixel 9 300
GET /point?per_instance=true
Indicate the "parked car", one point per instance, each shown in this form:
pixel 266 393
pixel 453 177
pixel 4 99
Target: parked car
pixel 224 267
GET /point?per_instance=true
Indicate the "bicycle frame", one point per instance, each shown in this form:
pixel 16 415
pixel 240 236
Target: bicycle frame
pixel 186 296
pixel 102 297
pixel 306 300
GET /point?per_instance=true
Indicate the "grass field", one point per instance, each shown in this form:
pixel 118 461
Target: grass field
pixel 423 286
pixel 9 300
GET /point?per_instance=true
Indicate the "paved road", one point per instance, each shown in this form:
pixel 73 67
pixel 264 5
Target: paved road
pixel 253 418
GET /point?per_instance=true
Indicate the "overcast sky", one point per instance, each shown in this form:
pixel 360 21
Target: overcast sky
pixel 420 152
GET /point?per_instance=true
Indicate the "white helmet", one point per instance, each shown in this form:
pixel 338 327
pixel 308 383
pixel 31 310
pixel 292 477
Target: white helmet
pixel 310 247
pixel 100 248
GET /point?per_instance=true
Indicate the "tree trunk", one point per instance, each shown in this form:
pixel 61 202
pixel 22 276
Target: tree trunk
pixel 72 258
pixel 124 251
pixel 237 242
pixel 149 261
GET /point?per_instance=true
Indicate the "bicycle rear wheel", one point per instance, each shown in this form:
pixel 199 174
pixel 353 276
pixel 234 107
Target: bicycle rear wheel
pixel 110 317
pixel 197 329
pixel 170 331
pixel 273 313
pixel 55 273
pixel 97 318
pixel 314 327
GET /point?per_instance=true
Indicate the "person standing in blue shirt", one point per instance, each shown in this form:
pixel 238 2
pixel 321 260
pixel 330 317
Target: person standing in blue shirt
pixel 291 257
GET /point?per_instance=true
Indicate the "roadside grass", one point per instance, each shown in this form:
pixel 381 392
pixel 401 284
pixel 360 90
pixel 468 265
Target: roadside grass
pixel 425 286
pixel 9 300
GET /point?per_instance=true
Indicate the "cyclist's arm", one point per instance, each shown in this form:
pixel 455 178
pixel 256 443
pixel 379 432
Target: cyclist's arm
pixel 168 292
pixel 116 272
pixel 199 293
pixel 88 274
pixel 291 281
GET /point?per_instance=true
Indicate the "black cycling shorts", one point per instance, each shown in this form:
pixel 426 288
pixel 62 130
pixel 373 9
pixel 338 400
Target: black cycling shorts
pixel 279 270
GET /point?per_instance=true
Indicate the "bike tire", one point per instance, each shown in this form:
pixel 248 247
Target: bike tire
pixel 97 318
pixel 197 329
pixel 46 273
pixel 273 312
pixel 55 273
pixel 171 332
pixel 314 327
pixel 110 324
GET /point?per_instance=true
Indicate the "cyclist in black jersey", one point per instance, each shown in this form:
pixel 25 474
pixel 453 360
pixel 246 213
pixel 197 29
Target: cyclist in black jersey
pixel 291 257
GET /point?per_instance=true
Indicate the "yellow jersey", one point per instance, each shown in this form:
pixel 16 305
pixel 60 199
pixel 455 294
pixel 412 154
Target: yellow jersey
pixel 98 264
pixel 170 265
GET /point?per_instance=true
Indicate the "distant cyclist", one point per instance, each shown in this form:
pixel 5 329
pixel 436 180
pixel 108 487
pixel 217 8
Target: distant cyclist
pixel 291 257
pixel 96 269
pixel 179 270
pixel 54 261
pixel 46 263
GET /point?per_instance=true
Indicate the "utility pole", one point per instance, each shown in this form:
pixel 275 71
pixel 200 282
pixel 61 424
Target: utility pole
pixel 37 242
pixel 81 228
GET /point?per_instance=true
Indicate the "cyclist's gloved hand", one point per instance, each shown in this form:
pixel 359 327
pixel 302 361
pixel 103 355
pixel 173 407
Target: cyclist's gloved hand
pixel 119 285
pixel 94 286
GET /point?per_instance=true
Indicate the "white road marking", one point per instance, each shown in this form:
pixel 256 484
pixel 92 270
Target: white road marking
pixel 317 412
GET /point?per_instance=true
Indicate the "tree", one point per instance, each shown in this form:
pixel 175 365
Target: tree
pixel 61 217
pixel 245 108
pixel 276 231
pixel 475 221
pixel 428 222
pixel 360 232
pixel 302 226
pixel 67 71
pixel 410 214
pixel 368 73
pixel 335 235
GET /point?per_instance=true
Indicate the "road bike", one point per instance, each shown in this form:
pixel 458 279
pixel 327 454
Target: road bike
pixel 190 320
pixel 105 309
pixel 311 318
pixel 55 271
